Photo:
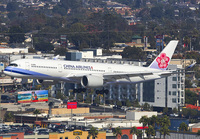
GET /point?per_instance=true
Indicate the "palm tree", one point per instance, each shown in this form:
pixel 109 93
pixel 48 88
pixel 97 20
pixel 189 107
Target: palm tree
pixel 150 131
pixel 144 120
pixel 164 123
pixel 164 130
pixel 153 121
pixel 117 131
pixel 9 117
pixel 36 112
pixel 183 127
pixel 93 132
pixel 139 134
pixel 134 130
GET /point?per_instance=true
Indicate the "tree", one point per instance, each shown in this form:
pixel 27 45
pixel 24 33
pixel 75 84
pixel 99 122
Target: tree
pixel 165 110
pixel 133 53
pixel 146 107
pixel 119 103
pixel 183 127
pixel 139 134
pixel 12 15
pixel 144 120
pixel 38 87
pixel 60 51
pixel 128 103
pixel 156 12
pixel 188 84
pixel 88 98
pixel 36 112
pixel 80 97
pixel 150 131
pixel 134 130
pixel 59 95
pixel 164 123
pixel 190 97
pixel 117 131
pixel 42 45
pixel 93 132
pixel 153 120
pixel 97 100
pixel 78 35
pixel 189 113
pixel 136 103
pixel 175 110
pixel 16 34
pixel 12 6
pixel 164 130
pixel 9 117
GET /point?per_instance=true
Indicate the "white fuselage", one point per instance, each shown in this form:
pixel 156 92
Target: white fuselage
pixel 92 74
pixel 61 70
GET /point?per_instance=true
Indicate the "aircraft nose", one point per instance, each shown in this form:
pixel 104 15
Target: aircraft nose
pixel 7 71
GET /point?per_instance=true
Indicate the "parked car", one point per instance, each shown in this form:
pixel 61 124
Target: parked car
pixel 95 104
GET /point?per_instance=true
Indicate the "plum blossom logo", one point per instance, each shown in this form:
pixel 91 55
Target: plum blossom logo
pixel 163 60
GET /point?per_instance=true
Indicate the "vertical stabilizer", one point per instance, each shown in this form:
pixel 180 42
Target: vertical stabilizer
pixel 163 59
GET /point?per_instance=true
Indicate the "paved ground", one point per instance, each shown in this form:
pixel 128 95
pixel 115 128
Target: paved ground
pixel 44 105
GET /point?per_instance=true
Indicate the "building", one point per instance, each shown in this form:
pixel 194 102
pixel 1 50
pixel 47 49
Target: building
pixel 77 55
pixel 183 62
pixel 13 50
pixel 136 115
pixel 12 135
pixel 76 134
pixel 165 92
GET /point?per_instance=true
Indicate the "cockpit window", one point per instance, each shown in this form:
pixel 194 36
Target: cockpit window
pixel 13 64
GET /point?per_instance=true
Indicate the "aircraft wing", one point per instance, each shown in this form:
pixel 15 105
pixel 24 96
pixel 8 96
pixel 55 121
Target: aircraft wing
pixel 109 76
pixel 116 76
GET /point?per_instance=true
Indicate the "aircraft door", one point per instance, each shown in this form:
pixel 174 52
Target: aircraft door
pixel 109 69
pixel 27 66
pixel 59 68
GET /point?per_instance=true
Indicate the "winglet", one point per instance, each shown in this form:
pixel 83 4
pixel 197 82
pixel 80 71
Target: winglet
pixel 55 58
pixel 162 60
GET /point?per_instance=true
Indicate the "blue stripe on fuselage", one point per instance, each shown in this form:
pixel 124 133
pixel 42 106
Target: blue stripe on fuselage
pixel 24 72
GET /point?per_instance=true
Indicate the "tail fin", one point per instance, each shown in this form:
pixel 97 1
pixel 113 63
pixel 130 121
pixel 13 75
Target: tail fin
pixel 163 59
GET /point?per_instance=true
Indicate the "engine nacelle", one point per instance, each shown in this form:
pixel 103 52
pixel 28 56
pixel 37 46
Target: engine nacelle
pixel 46 82
pixel 92 81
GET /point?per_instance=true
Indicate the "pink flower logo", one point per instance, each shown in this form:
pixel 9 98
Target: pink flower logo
pixel 163 60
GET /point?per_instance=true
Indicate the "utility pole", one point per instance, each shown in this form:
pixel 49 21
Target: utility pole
pixel 190 43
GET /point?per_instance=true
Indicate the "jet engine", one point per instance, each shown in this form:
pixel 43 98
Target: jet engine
pixel 46 82
pixel 92 81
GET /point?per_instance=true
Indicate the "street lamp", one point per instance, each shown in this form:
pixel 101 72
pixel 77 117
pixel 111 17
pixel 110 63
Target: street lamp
pixel 21 113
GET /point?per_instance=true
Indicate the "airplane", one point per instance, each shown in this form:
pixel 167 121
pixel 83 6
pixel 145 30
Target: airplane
pixel 91 74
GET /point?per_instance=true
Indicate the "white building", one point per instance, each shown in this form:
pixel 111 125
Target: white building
pixel 166 92
pixel 136 115
pixel 13 50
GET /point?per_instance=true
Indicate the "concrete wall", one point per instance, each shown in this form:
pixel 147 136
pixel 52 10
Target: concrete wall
pixel 36 137
pixel 58 111
pixel 136 115
pixel 179 136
